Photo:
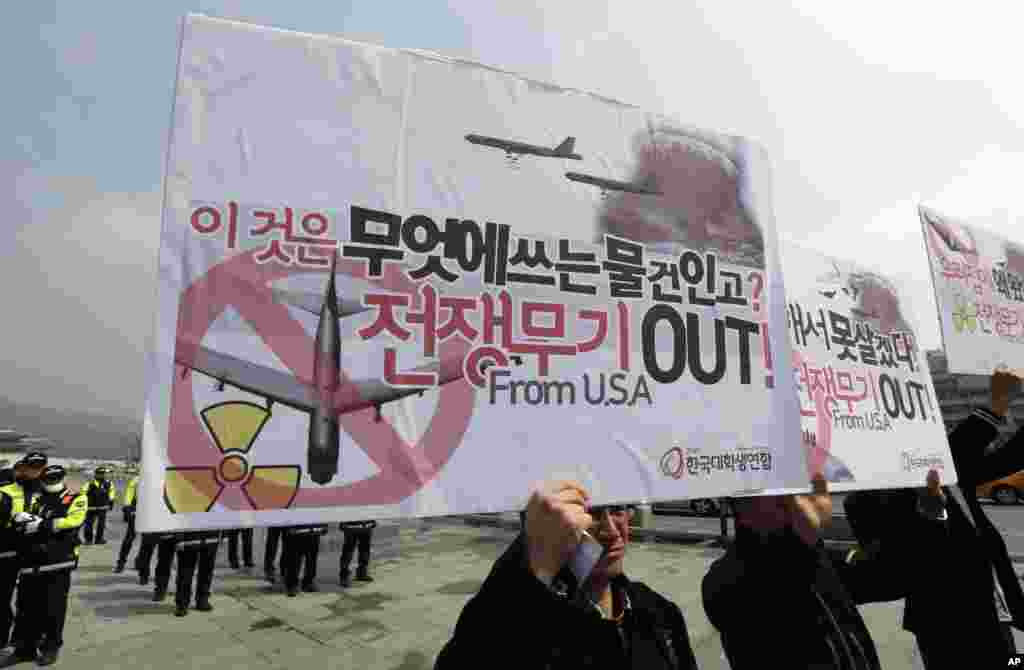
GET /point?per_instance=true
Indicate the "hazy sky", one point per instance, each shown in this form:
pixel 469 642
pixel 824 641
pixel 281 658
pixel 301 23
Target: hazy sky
pixel 866 110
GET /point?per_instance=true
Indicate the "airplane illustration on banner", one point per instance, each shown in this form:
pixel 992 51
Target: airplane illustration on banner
pixel 646 187
pixel 515 149
pixel 322 398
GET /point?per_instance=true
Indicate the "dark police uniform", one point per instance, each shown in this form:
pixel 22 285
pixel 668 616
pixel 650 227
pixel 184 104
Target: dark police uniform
pixel 270 553
pixel 301 545
pixel 163 544
pixel 131 498
pixel 245 534
pixel 48 557
pixel 166 550
pixel 356 533
pixel 196 549
pixel 13 499
pixel 101 500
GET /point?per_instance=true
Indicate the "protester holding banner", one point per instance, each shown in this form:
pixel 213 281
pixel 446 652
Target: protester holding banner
pixel 961 541
pixel 558 623
pixel 896 530
pixel 775 597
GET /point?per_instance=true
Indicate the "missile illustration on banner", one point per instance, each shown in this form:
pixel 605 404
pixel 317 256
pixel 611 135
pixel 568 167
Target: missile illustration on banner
pixel 646 187
pixel 322 397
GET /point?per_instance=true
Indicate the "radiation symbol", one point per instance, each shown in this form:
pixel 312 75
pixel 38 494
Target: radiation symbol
pixel 234 426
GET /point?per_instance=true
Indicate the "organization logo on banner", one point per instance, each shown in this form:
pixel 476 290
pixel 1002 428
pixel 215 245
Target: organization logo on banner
pixel 678 461
pixel 915 460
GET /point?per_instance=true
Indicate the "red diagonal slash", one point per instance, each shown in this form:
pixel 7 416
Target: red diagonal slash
pixel 405 468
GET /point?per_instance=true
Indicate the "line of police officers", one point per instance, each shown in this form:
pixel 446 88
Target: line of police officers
pixel 197 554
pixel 39 521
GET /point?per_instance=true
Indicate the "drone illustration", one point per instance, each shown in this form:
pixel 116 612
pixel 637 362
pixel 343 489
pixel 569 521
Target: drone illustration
pixel 514 149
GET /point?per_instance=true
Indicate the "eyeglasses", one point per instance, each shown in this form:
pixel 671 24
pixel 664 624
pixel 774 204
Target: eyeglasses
pixel 613 510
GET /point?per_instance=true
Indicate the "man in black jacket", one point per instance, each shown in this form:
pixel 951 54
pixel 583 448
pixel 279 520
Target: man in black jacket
pixel 775 597
pixel 610 622
pixel 956 557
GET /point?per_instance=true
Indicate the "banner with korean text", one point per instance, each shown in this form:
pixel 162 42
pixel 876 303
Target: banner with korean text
pixel 979 291
pixel 397 285
pixel 870 416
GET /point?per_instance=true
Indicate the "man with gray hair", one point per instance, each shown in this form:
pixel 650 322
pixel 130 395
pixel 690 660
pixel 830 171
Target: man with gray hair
pixel 565 615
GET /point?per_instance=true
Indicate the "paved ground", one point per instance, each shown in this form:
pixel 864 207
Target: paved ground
pixel 425 573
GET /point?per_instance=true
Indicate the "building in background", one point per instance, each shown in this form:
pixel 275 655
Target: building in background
pixel 959 394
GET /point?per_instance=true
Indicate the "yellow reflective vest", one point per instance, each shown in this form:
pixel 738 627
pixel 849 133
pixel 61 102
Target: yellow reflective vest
pixel 12 502
pixel 131 492
pixel 101 495
pixel 55 546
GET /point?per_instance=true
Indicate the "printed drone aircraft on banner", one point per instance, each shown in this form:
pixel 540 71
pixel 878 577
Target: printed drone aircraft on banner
pixel 514 149
pixel 323 398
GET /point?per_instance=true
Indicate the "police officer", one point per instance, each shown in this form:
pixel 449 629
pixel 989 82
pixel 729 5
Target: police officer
pixel 48 554
pixel 101 494
pixel 245 534
pixel 270 553
pixel 196 549
pixel 166 545
pixel 301 546
pixel 143 559
pixel 14 497
pixel 128 504
pixel 356 533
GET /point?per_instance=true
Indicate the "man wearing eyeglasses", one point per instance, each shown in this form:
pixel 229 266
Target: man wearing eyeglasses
pixel 606 620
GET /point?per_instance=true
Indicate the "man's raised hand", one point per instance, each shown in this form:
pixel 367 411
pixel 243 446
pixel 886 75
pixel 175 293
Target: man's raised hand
pixel 556 517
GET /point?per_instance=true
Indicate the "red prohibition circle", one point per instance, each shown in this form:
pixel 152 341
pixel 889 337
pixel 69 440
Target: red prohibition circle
pixel 242 283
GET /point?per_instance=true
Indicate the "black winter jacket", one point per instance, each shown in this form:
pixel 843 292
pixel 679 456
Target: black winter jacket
pixel 916 554
pixel 519 622
pixel 778 603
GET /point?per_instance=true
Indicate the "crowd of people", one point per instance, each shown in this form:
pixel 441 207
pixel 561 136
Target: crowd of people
pixel 777 598
pixel 196 554
pixel 40 520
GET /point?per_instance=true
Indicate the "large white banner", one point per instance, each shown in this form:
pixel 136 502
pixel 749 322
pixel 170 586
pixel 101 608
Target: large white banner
pixel 979 291
pixel 397 285
pixel 869 411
